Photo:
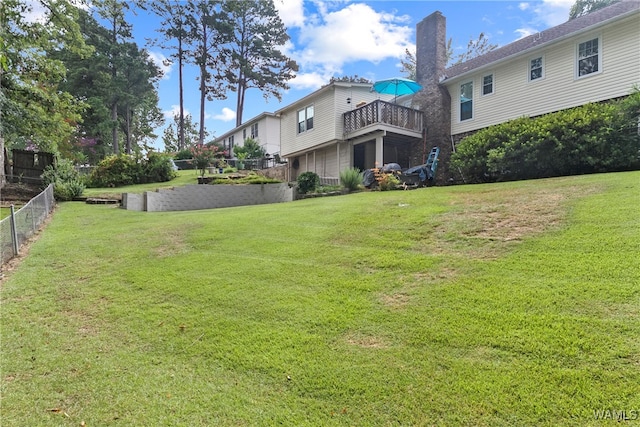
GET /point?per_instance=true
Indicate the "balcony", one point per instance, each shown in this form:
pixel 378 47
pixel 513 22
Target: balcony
pixel 378 115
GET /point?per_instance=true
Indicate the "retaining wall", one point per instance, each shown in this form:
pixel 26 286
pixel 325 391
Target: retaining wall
pixel 193 197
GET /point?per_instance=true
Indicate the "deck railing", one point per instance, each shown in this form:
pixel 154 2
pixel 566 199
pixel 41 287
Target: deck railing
pixel 382 112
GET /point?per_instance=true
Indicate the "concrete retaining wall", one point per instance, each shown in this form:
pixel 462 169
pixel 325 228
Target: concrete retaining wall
pixel 193 197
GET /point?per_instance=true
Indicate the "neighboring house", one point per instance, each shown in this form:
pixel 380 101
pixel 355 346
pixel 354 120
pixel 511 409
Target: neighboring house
pixel 264 129
pixel 589 59
pixel 592 58
pixel 345 124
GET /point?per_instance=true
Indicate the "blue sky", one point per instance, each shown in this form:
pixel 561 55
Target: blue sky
pixel 351 37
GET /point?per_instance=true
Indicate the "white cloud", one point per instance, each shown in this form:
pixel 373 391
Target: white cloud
pixel 161 62
pixel 313 80
pixel 525 32
pixel 174 112
pixel 545 14
pixel 553 12
pixel 291 12
pixel 226 115
pixel 354 33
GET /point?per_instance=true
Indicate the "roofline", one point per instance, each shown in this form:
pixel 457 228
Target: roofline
pixel 527 51
pixel 247 123
pixel 322 90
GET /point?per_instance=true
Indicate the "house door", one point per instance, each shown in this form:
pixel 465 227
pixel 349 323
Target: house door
pixel 358 157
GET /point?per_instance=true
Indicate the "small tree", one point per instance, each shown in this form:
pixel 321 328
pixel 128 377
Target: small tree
pixel 203 156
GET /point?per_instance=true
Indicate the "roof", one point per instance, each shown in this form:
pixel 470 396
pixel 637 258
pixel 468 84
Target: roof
pixel 323 89
pixel 550 35
pixel 245 124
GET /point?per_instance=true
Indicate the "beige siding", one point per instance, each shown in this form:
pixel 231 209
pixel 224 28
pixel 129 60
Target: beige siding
pixel 323 125
pixel 515 96
pixel 329 105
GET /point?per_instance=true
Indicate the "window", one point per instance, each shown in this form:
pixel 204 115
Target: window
pixel 466 101
pixel 305 119
pixel 231 142
pixel 244 133
pixel 254 130
pixel 588 57
pixel 487 84
pixel 536 68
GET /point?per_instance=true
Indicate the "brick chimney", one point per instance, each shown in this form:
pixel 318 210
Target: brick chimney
pixel 434 99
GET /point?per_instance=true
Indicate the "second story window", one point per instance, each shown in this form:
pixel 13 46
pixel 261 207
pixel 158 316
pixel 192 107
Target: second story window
pixel 536 70
pixel 588 58
pixel 487 84
pixel 254 130
pixel 305 119
pixel 231 142
pixel 244 133
pixel 466 101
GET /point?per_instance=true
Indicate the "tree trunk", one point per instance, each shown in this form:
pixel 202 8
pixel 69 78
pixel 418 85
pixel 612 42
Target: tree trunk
pixel 181 144
pixel 2 164
pixel 240 101
pixel 114 130
pixel 203 89
pixel 127 146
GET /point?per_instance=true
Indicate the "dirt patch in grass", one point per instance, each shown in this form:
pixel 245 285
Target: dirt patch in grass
pixel 395 300
pixel 483 223
pixel 366 341
pixel 174 241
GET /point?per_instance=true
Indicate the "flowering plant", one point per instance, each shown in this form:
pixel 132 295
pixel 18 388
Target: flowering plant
pixel 203 155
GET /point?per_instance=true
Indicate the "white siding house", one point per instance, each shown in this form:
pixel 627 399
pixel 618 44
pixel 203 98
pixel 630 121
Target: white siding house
pixel 314 137
pixel 589 59
pixel 264 129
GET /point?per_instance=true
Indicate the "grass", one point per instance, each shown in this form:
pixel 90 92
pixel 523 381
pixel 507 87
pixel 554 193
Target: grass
pixel 184 177
pixel 514 304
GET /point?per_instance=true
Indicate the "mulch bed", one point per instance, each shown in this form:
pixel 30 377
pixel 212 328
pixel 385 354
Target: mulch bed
pixel 18 192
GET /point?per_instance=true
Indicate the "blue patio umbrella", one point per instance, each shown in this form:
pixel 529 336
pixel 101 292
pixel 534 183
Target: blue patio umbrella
pixel 396 86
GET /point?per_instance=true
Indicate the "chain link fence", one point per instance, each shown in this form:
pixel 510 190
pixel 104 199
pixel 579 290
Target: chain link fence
pixel 23 223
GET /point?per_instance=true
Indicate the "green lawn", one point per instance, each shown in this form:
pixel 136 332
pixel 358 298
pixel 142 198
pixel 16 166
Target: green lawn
pixel 184 177
pixel 514 304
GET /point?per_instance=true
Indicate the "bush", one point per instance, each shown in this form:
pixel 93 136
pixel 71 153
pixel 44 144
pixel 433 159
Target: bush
pixel 596 137
pixel 69 190
pixel 67 183
pixel 116 171
pixel 351 179
pixel 388 181
pixel 157 168
pixel 308 182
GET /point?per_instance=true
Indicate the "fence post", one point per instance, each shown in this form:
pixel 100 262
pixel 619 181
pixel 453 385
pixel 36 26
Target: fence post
pixel 14 231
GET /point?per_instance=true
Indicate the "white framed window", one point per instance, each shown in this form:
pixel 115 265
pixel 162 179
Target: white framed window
pixel 536 68
pixel 487 84
pixel 254 130
pixel 305 119
pixel 466 101
pixel 231 138
pixel 589 58
pixel 244 133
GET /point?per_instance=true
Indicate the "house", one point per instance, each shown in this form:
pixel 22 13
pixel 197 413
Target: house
pixel 592 58
pixel 264 129
pixel 345 124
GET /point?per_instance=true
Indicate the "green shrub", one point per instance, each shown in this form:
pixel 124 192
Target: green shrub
pixel 184 154
pixel 115 171
pixel 308 182
pixel 69 190
pixel 388 181
pixel 67 182
pixel 157 168
pixel 351 179
pixel 596 137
